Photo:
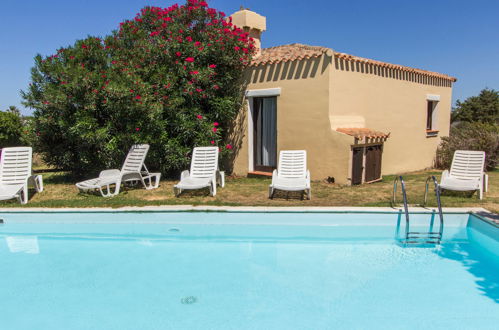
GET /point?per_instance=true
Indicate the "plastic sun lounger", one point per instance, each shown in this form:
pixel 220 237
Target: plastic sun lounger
pixel 466 172
pixel 204 172
pixel 15 174
pixel 134 170
pixel 292 173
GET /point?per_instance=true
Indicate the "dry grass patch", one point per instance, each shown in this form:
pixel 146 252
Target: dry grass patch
pixel 61 192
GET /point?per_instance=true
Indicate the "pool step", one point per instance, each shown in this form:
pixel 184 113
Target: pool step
pixel 405 242
pixel 416 237
pixel 429 234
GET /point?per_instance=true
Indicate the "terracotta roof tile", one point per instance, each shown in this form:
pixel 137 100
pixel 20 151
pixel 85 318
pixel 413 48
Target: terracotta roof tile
pixel 361 133
pixel 292 52
pixel 288 53
pixel 353 58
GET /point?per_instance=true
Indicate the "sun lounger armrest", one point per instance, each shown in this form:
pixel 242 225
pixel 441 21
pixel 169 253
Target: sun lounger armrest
pixel 109 173
pixel 308 178
pixel 184 174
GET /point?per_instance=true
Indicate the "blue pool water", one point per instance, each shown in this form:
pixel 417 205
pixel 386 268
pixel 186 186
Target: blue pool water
pixel 244 271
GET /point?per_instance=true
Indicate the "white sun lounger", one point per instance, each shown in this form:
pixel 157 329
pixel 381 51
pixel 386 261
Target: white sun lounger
pixel 203 173
pixel 292 173
pixel 134 170
pixel 466 172
pixel 15 174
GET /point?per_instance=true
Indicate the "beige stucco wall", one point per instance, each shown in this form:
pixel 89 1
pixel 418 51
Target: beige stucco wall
pixel 390 104
pixel 302 115
pixel 318 95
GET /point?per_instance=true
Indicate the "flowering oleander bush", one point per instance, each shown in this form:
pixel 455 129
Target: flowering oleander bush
pixel 171 77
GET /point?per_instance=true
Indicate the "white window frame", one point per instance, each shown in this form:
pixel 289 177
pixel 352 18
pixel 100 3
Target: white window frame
pixel 263 92
pixel 435 99
pixel 250 94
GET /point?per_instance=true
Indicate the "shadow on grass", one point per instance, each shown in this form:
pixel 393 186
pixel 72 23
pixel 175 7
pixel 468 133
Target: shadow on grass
pixel 289 195
pixel 204 192
pixel 59 178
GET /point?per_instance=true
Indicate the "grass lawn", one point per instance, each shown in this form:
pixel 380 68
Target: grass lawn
pixel 61 192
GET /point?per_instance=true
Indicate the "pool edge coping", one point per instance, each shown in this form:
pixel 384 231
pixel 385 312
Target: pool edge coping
pixel 235 209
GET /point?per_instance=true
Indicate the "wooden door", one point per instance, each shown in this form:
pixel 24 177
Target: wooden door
pixel 357 165
pixel 373 163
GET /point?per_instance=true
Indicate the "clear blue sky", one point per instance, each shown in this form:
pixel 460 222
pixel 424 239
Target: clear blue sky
pixel 456 37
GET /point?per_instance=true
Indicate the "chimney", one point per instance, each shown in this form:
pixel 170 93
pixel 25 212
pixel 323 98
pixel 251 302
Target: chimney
pixel 252 23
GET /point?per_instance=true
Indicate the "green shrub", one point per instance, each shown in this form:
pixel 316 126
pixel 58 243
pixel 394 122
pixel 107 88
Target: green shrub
pixel 11 129
pixel 483 108
pixel 470 136
pixel 170 77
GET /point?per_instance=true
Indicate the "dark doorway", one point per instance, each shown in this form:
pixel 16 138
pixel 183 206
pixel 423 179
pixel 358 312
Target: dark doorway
pixel 265 133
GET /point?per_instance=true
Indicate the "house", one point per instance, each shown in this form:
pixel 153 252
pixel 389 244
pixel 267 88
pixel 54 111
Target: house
pixel 357 118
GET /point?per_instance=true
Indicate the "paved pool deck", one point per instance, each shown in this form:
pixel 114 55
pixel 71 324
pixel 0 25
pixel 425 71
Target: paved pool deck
pixel 484 213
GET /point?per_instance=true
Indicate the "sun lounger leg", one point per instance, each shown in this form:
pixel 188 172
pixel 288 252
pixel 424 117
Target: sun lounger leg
pixel 108 192
pixel 151 181
pixel 23 195
pixel 38 180
pixel 213 188
pixel 271 193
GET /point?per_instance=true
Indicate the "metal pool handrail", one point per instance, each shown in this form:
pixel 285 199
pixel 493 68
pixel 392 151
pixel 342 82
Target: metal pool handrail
pixel 404 196
pixel 437 195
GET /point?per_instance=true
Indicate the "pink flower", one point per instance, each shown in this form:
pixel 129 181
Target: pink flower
pixel 212 142
pixel 228 146
pixel 236 48
pixel 215 123
pixel 213 66
pixel 137 129
pixel 178 54
pixel 189 59
pixel 194 72
pixel 138 97
pixel 214 129
pixel 199 117
pixel 197 43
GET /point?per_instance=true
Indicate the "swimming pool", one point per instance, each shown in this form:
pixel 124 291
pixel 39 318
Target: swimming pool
pixel 242 270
